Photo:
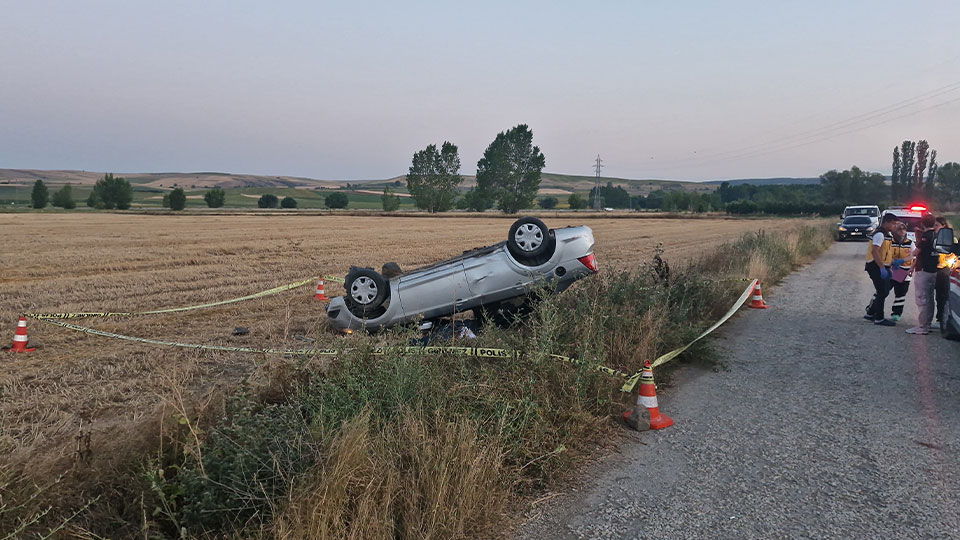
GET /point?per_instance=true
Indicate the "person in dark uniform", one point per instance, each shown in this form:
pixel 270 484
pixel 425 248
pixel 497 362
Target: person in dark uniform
pixel 942 285
pixel 925 274
pixel 877 270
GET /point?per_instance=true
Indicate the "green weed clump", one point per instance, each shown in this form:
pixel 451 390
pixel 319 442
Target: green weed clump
pixel 395 446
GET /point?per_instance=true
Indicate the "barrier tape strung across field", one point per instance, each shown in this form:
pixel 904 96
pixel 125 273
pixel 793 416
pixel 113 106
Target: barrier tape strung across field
pixel 261 294
pixel 664 358
pixel 479 352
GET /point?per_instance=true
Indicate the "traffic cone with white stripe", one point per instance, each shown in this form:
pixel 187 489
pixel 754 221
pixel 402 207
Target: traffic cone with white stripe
pixel 757 301
pixel 321 295
pixel 20 340
pixel 647 401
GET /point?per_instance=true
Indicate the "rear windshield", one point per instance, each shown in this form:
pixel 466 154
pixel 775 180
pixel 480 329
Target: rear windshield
pixel 910 222
pixel 872 212
pixel 857 220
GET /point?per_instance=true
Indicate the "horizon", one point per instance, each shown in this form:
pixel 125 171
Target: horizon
pixel 699 92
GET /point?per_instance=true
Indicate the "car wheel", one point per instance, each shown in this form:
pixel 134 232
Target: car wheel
pixel 530 241
pixel 366 291
pixel 948 329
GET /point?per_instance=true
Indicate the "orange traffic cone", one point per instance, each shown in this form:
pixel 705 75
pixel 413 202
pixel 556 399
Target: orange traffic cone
pixel 757 301
pixel 20 338
pixel 647 400
pixel 321 295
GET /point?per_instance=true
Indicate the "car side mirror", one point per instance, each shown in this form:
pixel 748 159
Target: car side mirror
pixel 944 242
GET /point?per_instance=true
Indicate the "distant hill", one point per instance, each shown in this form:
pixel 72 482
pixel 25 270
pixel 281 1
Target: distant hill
pixel 565 184
pixel 766 181
pixel 196 180
pixel 550 184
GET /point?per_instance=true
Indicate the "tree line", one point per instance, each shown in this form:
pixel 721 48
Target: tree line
pixel 508 176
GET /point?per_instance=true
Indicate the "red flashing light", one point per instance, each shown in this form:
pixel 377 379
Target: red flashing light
pixel 590 262
pixel 918 208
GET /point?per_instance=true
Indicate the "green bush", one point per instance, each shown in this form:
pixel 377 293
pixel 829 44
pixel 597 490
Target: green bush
pixel 288 202
pixel 390 200
pixel 215 197
pixel 111 192
pixel 178 199
pixel 336 200
pixel 576 202
pixel 268 200
pixel 63 198
pixel 548 203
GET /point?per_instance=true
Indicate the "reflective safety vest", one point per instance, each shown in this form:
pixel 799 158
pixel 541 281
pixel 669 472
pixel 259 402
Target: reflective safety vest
pixel 898 250
pixel 884 249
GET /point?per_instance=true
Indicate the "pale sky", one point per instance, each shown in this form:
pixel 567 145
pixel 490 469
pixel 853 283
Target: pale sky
pixel 350 90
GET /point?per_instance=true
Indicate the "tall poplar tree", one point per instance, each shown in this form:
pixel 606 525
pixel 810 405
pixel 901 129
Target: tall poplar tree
pixel 895 175
pixel 923 149
pixel 906 168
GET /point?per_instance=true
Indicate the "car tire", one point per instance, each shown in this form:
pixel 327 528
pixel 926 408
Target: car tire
pixel 530 241
pixel 366 292
pixel 947 328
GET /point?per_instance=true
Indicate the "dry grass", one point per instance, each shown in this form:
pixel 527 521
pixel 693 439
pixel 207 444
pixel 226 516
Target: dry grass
pixel 117 395
pixel 447 484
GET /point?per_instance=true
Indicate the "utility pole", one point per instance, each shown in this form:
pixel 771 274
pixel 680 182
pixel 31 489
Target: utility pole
pixel 597 202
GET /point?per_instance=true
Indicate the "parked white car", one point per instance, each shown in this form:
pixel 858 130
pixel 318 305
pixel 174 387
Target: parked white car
pixel 871 211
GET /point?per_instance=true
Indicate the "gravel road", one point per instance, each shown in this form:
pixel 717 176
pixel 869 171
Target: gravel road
pixel 824 426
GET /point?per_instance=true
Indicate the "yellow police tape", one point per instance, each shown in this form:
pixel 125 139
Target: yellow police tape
pixel 479 352
pixel 261 294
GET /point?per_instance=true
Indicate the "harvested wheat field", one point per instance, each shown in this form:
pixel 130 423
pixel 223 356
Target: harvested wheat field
pixel 84 404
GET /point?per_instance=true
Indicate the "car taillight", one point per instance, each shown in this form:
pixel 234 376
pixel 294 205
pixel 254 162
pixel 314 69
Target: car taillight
pixel 590 261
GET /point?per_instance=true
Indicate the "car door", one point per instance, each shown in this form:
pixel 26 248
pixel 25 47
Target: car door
pixel 494 277
pixel 434 292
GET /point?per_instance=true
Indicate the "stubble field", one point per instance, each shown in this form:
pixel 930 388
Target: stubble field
pixel 84 404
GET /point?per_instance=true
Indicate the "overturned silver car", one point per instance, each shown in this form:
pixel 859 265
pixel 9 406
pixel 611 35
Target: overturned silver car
pixel 493 281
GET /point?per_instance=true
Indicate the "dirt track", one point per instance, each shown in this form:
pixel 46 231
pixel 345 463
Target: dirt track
pixel 824 426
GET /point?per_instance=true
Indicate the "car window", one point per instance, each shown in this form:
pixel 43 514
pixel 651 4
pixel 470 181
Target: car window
pixel 872 212
pixel 910 222
pixel 857 220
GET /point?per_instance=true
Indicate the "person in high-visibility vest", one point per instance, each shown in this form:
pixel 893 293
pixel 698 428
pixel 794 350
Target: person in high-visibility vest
pixel 901 249
pixel 879 274
pixel 942 286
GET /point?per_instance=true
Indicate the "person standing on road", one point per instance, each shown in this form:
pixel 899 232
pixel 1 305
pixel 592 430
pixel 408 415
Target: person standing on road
pixel 942 286
pixel 925 275
pixel 900 255
pixel 876 268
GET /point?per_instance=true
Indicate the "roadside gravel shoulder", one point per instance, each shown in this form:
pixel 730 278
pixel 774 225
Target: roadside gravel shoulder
pixel 824 426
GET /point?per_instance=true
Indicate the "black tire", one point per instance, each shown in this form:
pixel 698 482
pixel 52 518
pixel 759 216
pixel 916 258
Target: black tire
pixel 947 328
pixel 530 241
pixel 366 292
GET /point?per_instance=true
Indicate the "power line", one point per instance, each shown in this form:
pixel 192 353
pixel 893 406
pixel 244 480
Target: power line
pixel 817 134
pixel 798 144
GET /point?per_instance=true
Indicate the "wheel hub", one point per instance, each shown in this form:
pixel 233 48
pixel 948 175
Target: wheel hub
pixel 529 237
pixel 363 290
